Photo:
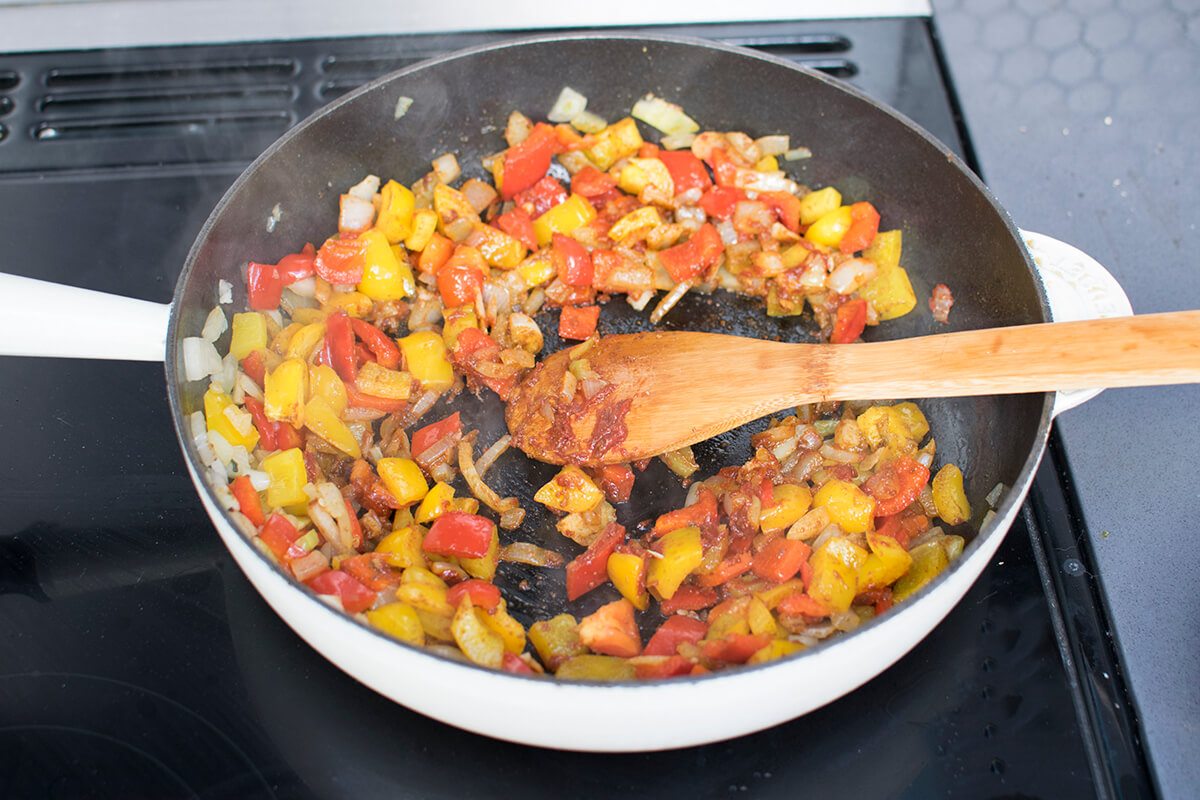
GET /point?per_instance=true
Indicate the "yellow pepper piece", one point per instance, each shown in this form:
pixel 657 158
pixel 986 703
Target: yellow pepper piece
pixel 383 382
pixel 468 505
pixel 355 304
pixel 538 269
pixel 828 229
pixel 498 248
pixel 614 143
pixel 403 478
pixel 425 357
pixel 280 343
pixel 815 205
pixel 835 573
pixel 438 501
pixel 456 321
pixel 914 418
pixel 928 560
pixel 572 213
pixel 396 203
pixel 323 382
pixel 949 496
pixel 476 640
pixel 627 571
pixel 235 424
pixel 288 478
pixel 451 207
pixel 767 164
pixel 682 552
pixel 635 225
pixel 570 491
pixel 725 624
pixel 885 249
pixel 885 425
pixel 403 547
pixel 556 640
pixel 398 620
pixel 890 292
pixel 424 225
pixel 760 619
pixel 307 316
pixel 778 648
pixel 385 277
pixel 638 173
pixel 510 631
pixel 437 625
pixel 770 597
pixel 791 503
pixel 424 597
pixel 885 564
pixel 484 567
pixel 248 333
pixel 285 392
pixel 305 341
pixel 322 420
pixel 847 505
pixel 591 667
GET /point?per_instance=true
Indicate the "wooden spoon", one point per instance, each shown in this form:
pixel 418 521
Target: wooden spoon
pixel 664 390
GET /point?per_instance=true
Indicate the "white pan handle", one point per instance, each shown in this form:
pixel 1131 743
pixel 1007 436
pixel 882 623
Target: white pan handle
pixel 38 318
pixel 1077 287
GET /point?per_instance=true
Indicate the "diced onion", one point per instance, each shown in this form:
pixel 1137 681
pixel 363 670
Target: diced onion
pixel 446 167
pixel 528 553
pixel 666 117
pixel 678 141
pixel 569 105
pixel 587 122
pixel 403 104
pixel 224 292
pixel 668 302
pixel 214 325
pixel 489 456
pixel 797 153
pixel 993 497
pixel 772 145
pixel 365 189
pixel 200 358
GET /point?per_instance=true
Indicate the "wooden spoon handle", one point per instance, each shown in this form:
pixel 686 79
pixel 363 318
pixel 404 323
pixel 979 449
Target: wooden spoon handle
pixel 1146 350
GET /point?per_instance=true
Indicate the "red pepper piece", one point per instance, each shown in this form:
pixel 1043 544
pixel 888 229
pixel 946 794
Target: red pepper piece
pixel 372 570
pixel 786 206
pixel 525 163
pixel 433 433
pixel 287 437
pixel 590 182
pixel 541 197
pixel 382 346
pixel 719 202
pixel 690 259
pixel 673 632
pixel 669 667
pixel 461 277
pixel 265 427
pixel 483 594
pixel 356 534
pixel 511 662
pixel 850 322
pixel 457 533
pixel 248 500
pixel 611 630
pixel 471 341
pixel 702 514
pixel 689 597
pixel 864 224
pixel 724 170
pixel 573 261
pixel 780 559
pixel 340 260
pixel 801 603
pixel 519 225
pixel 735 648
pixel 896 484
pixel 354 595
pixel 578 322
pixel 297 266
pixel 616 480
pixel 729 568
pixel 255 366
pixel 357 399
pixel 278 533
pixel 339 338
pixel 590 568
pixel 264 286
pixel 687 171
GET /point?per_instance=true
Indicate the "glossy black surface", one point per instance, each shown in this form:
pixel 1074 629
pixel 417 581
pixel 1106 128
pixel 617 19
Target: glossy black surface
pixel 139 662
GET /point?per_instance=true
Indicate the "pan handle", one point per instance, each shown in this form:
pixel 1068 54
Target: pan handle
pixel 1077 287
pixel 39 318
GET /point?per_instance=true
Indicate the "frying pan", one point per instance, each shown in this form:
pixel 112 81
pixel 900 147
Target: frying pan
pixel 954 233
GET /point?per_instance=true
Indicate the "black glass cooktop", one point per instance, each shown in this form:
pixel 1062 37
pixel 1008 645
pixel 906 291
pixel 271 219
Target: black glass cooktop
pixel 138 662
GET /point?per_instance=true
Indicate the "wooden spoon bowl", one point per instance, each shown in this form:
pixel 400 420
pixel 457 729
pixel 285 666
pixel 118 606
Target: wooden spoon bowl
pixel 649 393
